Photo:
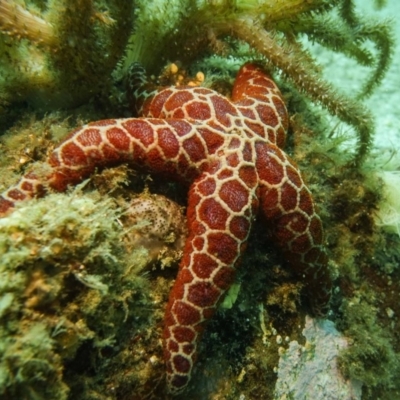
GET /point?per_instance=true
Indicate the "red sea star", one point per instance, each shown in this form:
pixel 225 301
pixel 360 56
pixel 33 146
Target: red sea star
pixel 230 153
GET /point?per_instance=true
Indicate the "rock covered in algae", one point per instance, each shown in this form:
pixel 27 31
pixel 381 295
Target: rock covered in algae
pixel 388 213
pixel 73 298
pixel 157 224
pixel 311 371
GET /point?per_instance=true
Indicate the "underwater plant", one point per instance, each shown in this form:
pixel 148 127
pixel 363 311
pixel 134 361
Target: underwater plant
pixel 58 54
pixel 272 30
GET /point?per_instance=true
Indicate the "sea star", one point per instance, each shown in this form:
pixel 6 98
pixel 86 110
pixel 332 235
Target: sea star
pixel 229 151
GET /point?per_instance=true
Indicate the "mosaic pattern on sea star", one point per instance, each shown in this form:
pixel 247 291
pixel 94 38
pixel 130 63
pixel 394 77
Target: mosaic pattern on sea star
pixel 229 151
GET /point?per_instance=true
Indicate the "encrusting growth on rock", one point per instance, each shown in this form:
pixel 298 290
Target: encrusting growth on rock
pixel 158 224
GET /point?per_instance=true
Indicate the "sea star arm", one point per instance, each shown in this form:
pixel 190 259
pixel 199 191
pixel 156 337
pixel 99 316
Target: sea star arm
pixel 170 147
pixel 261 104
pixel 220 210
pixel 295 226
pixel 183 102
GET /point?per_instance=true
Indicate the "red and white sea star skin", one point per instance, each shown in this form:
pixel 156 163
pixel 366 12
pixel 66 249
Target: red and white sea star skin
pixel 229 152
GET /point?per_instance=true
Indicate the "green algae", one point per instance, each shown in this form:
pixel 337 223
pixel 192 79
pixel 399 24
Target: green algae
pixel 62 266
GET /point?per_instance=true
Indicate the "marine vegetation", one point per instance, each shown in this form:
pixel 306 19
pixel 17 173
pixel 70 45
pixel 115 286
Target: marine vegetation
pixel 57 54
pixel 61 65
pixel 83 295
pixel 272 29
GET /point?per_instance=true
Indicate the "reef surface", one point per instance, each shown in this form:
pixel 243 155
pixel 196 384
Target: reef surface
pixel 84 281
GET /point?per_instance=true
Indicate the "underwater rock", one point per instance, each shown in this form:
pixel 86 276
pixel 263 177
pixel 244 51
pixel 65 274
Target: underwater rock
pixel 388 214
pixel 311 371
pixel 157 224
